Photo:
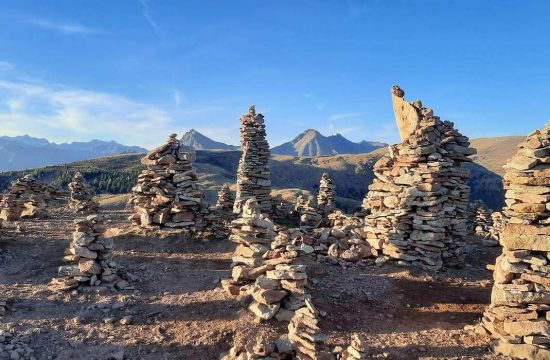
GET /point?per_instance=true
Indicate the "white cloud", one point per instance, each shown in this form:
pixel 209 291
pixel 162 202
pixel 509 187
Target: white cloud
pixel 67 114
pixel 63 27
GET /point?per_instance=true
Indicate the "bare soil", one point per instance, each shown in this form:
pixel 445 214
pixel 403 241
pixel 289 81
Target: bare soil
pixel 178 311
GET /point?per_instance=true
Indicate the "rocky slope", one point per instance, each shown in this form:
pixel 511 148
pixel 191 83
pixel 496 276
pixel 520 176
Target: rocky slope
pixel 313 143
pixel 493 152
pixel 198 141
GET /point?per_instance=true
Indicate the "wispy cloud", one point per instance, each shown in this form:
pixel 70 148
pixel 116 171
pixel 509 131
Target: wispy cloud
pixel 343 116
pixel 177 97
pixel 148 15
pixel 319 105
pixel 69 28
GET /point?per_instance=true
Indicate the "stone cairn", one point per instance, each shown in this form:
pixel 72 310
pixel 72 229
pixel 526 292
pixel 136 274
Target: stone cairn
pixel 28 197
pixel 327 195
pixel 90 253
pixel 225 199
pixel 519 314
pixel 253 177
pixel 479 217
pixel 260 348
pixel 262 266
pixel 81 196
pixel 358 350
pixel 305 334
pixel 166 193
pixel 282 209
pixel 497 223
pixel 417 203
pixel 309 213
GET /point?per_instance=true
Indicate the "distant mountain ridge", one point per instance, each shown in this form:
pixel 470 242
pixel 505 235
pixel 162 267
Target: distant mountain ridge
pixel 198 141
pixel 27 152
pixel 313 143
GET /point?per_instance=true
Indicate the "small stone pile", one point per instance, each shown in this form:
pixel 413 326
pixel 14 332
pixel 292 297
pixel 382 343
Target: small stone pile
pixel 327 195
pixel 346 239
pixel 481 222
pixel 305 334
pixel 90 253
pixel 81 196
pixel 358 350
pixel 417 203
pixel 30 198
pixel 309 213
pixel 225 199
pixel 283 209
pixel 280 349
pixel 253 176
pixel 166 193
pixel 519 314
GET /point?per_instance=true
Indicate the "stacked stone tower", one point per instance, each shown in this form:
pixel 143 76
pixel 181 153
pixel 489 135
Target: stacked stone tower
pixel 480 218
pixel 225 199
pixel 81 196
pixel 253 177
pixel 166 193
pixel 326 195
pixel 519 314
pixel 417 203
pixel 90 255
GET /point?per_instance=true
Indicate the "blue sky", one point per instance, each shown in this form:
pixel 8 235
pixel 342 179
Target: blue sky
pixel 135 71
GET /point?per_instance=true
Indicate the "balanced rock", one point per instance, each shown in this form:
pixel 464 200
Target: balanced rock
pixel 416 206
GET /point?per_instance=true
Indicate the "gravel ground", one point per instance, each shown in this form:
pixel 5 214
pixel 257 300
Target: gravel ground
pixel 177 310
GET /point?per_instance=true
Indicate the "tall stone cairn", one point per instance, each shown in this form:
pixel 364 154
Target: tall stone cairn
pixel 90 255
pixel 418 201
pixel 28 197
pixel 327 194
pixel 81 195
pixel 166 193
pixel 253 177
pixel 519 314
pixel 225 199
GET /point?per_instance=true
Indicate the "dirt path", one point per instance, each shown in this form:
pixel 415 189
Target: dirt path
pixel 177 310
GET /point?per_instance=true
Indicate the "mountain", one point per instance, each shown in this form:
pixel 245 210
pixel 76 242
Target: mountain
pixel 493 152
pixel 352 174
pixel 26 152
pixel 198 141
pixel 313 143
